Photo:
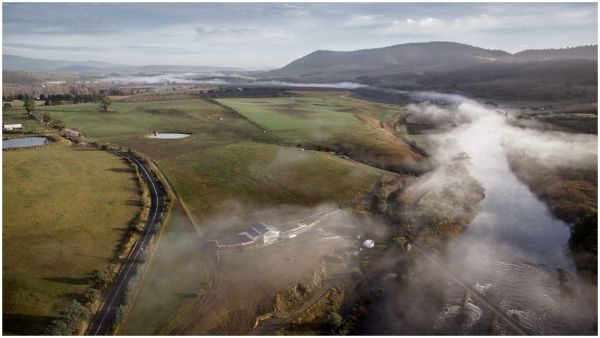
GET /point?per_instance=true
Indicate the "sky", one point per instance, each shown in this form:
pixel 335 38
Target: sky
pixel 270 35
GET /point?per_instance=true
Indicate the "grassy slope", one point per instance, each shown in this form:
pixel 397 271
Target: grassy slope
pixel 262 175
pixel 127 124
pixel 61 220
pixel 312 118
pixel 331 122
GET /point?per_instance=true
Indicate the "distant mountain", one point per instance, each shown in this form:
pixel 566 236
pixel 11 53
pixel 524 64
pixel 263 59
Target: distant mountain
pixel 548 74
pixel 398 58
pixel 78 69
pixel 20 63
pixel 25 64
pixel 582 52
pixel 412 58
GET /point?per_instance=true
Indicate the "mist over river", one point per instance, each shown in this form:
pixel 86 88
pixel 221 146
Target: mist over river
pixel 514 248
pixel 514 252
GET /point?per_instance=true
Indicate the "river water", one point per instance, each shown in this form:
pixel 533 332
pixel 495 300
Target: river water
pixel 513 250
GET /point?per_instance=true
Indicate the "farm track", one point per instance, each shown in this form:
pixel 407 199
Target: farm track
pixel 102 322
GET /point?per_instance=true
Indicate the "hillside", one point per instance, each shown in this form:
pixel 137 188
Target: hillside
pixel 403 57
pixel 20 63
pixel 413 57
pixel 25 64
pixel 551 80
pixel 582 52
pixel 548 74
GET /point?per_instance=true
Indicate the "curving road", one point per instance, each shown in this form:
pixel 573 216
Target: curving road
pixel 102 322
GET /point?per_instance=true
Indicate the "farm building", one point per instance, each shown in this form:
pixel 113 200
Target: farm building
pixel 13 126
pixel 262 234
pixel 266 233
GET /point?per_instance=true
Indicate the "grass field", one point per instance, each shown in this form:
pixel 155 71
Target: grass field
pixel 176 279
pixel 65 211
pixel 260 175
pixel 128 124
pixel 335 122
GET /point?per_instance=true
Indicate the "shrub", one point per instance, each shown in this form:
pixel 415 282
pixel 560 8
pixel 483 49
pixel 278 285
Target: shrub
pixel 401 241
pixel 70 319
pixel 58 328
pixel 100 278
pixel 91 295
pixel 335 321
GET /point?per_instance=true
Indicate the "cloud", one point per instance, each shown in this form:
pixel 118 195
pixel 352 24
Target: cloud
pixel 507 21
pixel 285 10
pixel 362 20
pixel 240 34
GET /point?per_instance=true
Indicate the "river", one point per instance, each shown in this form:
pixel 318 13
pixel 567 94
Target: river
pixel 514 248
pixel 514 252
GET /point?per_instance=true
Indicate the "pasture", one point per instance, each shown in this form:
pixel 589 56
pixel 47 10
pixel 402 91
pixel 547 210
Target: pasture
pixel 65 211
pixel 260 175
pixel 357 128
pixel 128 124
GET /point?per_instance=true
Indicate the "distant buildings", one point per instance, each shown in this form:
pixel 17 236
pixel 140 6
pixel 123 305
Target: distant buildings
pixel 16 126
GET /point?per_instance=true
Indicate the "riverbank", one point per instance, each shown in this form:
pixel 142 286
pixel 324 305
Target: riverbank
pixel 571 195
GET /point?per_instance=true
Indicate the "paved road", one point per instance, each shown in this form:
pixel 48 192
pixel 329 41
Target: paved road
pixel 103 321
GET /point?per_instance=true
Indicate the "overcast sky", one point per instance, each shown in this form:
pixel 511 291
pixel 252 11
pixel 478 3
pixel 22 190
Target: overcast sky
pixel 258 36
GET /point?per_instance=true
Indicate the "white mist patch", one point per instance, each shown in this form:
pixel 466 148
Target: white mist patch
pixel 514 243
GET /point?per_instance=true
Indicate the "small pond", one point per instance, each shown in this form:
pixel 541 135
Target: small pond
pixel 169 136
pixel 25 142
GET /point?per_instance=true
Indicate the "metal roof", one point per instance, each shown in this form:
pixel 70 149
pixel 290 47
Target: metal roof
pixel 263 228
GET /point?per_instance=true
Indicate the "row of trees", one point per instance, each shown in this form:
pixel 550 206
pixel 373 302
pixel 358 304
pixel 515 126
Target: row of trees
pixel 29 104
pixel 70 93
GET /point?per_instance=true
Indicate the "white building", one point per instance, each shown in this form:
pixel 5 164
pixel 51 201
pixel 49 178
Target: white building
pixel 13 126
pixel 265 233
pixel 369 243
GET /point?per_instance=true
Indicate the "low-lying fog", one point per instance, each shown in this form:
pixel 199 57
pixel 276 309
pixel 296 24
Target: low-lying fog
pixel 514 248
pixel 218 78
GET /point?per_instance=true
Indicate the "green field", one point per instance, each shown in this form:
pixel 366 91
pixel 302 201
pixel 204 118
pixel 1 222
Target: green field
pixel 65 211
pixel 260 175
pixel 128 124
pixel 313 119
pixel 334 122
pixel 330 122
